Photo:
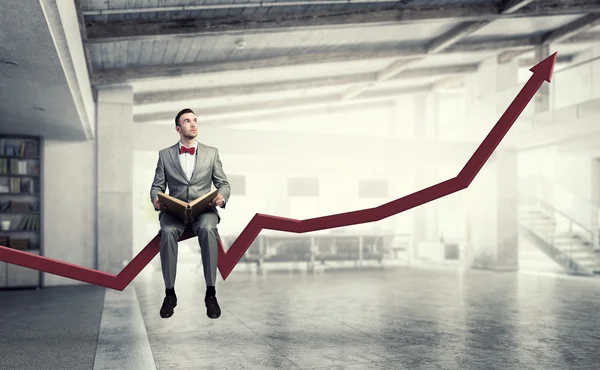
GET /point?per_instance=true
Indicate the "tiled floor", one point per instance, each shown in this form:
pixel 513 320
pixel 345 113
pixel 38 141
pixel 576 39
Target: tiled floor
pixel 394 318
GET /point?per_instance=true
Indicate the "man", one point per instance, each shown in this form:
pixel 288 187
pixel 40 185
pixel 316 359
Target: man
pixel 189 169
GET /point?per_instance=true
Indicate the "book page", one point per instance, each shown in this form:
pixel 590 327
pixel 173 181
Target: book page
pixel 200 204
pixel 174 206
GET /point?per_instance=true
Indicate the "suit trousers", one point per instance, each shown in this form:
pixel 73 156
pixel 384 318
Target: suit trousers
pixel 205 228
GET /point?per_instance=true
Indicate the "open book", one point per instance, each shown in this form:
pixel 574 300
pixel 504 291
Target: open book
pixel 187 212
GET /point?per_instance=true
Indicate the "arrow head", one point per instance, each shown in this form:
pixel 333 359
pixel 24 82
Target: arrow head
pixel 544 68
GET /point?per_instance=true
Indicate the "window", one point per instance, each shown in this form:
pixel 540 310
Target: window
pixel 373 188
pixel 303 187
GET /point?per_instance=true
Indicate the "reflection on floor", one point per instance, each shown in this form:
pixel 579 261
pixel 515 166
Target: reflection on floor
pixel 390 318
pixel 378 319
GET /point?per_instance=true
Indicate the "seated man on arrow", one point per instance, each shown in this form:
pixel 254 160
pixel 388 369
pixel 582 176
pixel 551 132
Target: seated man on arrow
pixel 189 169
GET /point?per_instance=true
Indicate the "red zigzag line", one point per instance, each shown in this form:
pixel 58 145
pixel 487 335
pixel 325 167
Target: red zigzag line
pixel 227 260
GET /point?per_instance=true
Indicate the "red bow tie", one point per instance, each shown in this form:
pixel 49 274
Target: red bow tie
pixel 183 149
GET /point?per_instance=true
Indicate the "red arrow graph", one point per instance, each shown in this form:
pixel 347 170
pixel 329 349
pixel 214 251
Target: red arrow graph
pixel 228 259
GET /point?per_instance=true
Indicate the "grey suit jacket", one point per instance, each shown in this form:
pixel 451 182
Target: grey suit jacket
pixel 208 170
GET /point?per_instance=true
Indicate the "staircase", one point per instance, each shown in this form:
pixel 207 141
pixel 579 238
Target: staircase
pixel 567 242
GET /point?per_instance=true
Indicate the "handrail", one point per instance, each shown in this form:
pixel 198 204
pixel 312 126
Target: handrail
pixel 563 259
pixel 541 179
pixel 555 210
pixel 592 227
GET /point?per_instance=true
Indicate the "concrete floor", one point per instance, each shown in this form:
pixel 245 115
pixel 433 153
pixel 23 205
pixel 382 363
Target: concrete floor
pixel 395 318
pixel 391 318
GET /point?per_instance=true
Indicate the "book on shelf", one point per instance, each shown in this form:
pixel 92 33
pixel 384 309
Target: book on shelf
pixel 11 166
pixel 20 169
pixel 29 223
pixel 187 211
pixel 18 243
pixel 14 206
pixel 25 148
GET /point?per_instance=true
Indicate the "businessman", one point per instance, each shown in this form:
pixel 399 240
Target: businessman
pixel 189 168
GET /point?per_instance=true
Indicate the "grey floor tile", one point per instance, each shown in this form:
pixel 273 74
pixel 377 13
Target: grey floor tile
pixel 380 319
pixel 314 342
pixel 216 349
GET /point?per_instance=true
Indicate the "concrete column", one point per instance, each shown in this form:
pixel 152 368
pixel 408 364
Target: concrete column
pixel 542 97
pixel 425 222
pixel 493 215
pixel 595 200
pixel 114 177
pixel 492 221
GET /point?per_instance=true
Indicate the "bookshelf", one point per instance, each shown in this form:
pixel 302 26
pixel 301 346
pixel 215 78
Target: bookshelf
pixel 20 206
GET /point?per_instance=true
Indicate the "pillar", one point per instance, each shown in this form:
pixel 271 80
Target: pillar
pixel 542 97
pixel 492 220
pixel 595 200
pixel 493 214
pixel 425 221
pixel 114 177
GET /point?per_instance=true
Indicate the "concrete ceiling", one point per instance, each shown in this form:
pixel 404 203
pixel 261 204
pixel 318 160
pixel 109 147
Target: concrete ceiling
pixel 45 88
pixel 231 59
pixel 240 59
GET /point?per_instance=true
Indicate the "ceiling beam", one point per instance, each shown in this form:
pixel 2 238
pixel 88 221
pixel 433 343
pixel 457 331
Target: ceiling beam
pixel 100 32
pixel 127 75
pixel 572 29
pixel 508 56
pixel 453 36
pixel 437 45
pixel 511 6
pixel 583 38
pixel 247 109
pixel 249 89
pixel 528 62
pixel 291 85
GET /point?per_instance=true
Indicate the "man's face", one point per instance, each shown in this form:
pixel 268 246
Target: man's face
pixel 188 125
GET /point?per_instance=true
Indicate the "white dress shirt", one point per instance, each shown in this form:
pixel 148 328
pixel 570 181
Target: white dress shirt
pixel 188 161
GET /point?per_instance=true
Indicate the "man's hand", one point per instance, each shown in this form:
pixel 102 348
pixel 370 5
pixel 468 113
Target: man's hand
pixel 158 205
pixel 217 201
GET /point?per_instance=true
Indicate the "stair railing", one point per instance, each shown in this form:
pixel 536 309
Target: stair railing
pixel 555 198
pixel 546 228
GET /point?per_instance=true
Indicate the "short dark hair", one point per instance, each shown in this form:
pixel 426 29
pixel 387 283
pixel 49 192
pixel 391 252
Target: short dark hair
pixel 182 112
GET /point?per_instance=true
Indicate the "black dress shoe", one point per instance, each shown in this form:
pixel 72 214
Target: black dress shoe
pixel 212 307
pixel 168 305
